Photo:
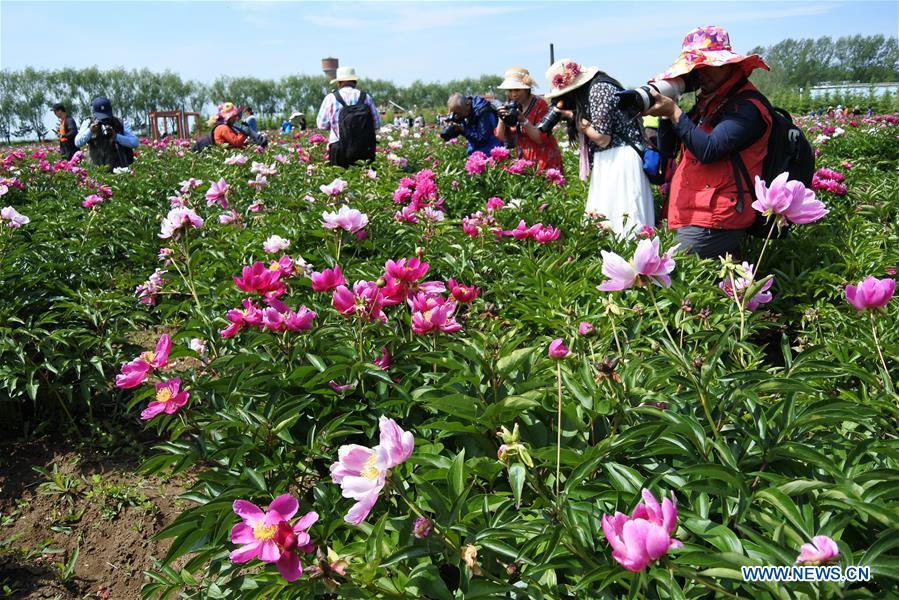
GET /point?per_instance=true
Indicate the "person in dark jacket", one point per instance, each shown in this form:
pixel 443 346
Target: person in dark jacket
pixel 109 140
pixel 477 120
pixel 67 131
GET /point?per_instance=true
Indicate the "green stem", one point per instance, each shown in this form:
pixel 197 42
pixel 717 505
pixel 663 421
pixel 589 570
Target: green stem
pixel 558 427
pixel 87 229
pixel 339 240
pixel 361 356
pixel 887 382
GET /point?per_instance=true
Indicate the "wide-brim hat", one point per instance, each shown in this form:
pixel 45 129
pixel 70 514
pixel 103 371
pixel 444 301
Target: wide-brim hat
pixel 517 78
pixel 566 75
pixel 345 74
pixel 709 46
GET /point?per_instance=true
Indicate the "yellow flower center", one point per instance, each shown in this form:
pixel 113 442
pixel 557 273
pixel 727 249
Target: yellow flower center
pixel 164 395
pixel 370 471
pixel 264 532
pixel 275 266
pixel 148 356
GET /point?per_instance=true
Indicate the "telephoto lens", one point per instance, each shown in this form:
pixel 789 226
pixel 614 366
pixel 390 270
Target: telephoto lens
pixel 550 120
pixel 639 100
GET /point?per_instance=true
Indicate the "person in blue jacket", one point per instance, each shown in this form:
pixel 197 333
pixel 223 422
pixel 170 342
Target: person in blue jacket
pixel 477 119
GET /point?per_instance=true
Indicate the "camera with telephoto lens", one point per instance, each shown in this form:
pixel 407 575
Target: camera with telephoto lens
pixel 512 110
pixel 257 138
pixel 639 100
pixel 553 116
pixel 453 129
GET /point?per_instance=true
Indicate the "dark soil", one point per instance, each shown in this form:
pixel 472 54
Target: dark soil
pixel 106 509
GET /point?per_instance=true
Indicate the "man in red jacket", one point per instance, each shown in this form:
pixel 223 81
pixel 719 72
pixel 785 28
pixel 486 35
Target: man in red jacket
pixel 704 206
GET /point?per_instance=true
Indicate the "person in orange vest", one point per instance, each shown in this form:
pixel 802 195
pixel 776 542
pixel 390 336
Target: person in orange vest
pixel 705 205
pixel 67 130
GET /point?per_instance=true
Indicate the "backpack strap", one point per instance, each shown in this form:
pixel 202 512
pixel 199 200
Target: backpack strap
pixel 741 173
pixel 339 98
pixel 361 99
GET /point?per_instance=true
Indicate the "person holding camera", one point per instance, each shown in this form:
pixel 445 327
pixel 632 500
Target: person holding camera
pixel 609 144
pixel 109 140
pixel 474 118
pixel 706 204
pixel 67 131
pixel 517 120
pixel 227 129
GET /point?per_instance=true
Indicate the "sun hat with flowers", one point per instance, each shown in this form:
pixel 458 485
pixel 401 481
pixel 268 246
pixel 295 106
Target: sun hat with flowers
pixel 566 75
pixel 709 46
pixel 517 78
pixel 226 110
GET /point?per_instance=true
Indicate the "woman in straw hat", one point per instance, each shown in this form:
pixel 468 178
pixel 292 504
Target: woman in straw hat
pixel 708 205
pixel 227 116
pixel 533 144
pixel 607 140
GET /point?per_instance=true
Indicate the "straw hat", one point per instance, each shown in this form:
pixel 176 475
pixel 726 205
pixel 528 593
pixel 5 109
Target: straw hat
pixel 345 74
pixel 709 46
pixel 517 78
pixel 226 110
pixel 566 75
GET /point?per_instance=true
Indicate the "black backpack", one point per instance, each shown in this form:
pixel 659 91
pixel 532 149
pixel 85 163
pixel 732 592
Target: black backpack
pixel 788 150
pixel 205 141
pixel 356 129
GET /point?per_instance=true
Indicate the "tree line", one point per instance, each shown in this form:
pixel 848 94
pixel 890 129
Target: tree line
pixel 27 95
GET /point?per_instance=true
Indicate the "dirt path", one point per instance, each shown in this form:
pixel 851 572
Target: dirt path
pixel 84 500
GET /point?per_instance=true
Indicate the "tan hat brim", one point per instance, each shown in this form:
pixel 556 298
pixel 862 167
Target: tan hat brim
pixel 585 76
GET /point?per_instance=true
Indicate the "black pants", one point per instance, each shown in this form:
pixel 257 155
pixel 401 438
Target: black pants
pixel 67 149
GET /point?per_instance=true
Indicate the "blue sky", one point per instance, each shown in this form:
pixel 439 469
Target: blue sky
pixel 402 41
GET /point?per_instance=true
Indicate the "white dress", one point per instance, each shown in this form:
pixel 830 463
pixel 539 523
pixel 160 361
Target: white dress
pixel 620 192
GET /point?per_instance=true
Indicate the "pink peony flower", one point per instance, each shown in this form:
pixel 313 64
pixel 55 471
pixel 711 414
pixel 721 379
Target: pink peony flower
pixel 274 244
pixel 646 232
pixel 422 528
pixel 433 314
pixel 335 188
pixel 327 279
pixel 337 387
pixel 822 549
pixel 365 300
pixel 384 361
pixel 742 283
pixel 494 203
pixel 135 372
pixel 218 193
pixel 585 328
pixel 190 184
pixel 229 217
pixel 499 153
pixel 543 234
pixel 406 270
pixel 346 218
pixel 871 293
pixel 92 200
pixel 476 163
pixel 177 219
pixel 646 265
pixel 261 279
pixel 169 398
pixel 362 472
pixel 13 218
pixel 270 537
pixel 555 176
pixel 645 536
pixel 462 293
pixel 238 159
pixel 557 349
pixel 789 199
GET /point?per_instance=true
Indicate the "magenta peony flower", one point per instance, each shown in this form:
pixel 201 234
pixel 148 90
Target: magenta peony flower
pixel 274 244
pixel 789 199
pixel 499 153
pixel 337 387
pixel 406 270
pixel 328 279
pixel 585 328
pixel 218 193
pixel 169 398
pixel 362 472
pixel 422 528
pixel 462 293
pixel 543 234
pixel 177 219
pixel 645 536
pixel 871 293
pixel 646 265
pixel 433 314
pixel 557 349
pixel 92 200
pixel 135 372
pixel 365 300
pixel 821 550
pixel 270 537
pixel 384 361
pixel 476 163
pixel 555 176
pixel 261 279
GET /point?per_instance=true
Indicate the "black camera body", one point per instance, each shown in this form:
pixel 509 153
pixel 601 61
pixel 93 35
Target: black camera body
pixel 103 128
pixel 512 111
pixel 257 138
pixel 453 129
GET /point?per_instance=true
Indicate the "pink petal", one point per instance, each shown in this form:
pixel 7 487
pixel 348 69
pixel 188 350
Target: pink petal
pixel 289 566
pixel 285 505
pixel 269 551
pixel 246 553
pixel 242 533
pixel 248 511
pixel 305 522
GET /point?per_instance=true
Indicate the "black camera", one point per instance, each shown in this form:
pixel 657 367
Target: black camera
pixel 257 138
pixel 639 100
pixel 552 118
pixel 103 129
pixel 452 129
pixel 512 112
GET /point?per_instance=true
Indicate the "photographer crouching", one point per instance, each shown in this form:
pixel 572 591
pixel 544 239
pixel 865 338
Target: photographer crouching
pixel 517 118
pixel 109 140
pixel 474 118
pixel 228 129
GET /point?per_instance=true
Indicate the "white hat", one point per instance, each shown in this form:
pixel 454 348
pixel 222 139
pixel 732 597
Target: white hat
pixel 517 78
pixel 345 74
pixel 566 75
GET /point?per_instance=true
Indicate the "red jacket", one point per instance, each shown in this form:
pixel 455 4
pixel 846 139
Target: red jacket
pixel 705 195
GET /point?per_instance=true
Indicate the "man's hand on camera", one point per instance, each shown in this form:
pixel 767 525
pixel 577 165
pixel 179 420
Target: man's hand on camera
pixel 663 106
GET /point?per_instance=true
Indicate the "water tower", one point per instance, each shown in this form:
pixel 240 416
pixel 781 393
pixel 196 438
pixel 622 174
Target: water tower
pixel 329 66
